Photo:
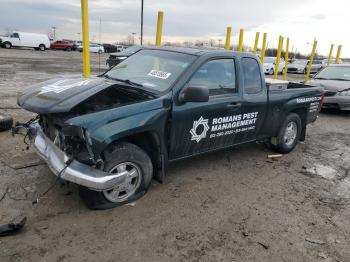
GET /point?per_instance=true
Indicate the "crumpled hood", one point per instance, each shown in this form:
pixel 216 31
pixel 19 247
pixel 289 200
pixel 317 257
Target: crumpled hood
pixel 60 94
pixel 330 85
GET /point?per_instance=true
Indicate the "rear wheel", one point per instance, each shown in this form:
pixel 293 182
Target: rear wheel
pixel 100 51
pixel 68 49
pixel 7 45
pixel 289 134
pixel 42 47
pixel 124 157
pixel 271 71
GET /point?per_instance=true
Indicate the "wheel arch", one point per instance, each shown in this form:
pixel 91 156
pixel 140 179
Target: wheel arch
pixel 302 113
pixel 151 143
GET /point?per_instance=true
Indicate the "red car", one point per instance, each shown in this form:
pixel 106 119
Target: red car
pixel 62 45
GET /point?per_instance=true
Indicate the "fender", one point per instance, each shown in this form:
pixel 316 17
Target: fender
pixel 108 126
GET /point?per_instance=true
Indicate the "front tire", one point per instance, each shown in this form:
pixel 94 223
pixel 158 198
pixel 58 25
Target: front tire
pixel 124 157
pixel 271 72
pixel 42 47
pixel 289 134
pixel 7 45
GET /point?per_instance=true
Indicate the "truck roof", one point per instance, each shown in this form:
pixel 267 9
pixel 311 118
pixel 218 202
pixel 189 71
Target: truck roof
pixel 198 51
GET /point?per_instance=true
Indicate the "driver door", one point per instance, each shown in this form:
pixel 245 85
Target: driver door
pixel 15 39
pixel 198 127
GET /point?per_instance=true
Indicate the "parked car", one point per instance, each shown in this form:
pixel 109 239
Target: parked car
pixel 316 66
pixel 269 65
pixel 109 48
pixel 76 44
pixel 22 39
pixel 62 45
pixel 94 48
pixel 121 48
pixel 113 133
pixel 301 66
pixel 335 79
pixel 116 58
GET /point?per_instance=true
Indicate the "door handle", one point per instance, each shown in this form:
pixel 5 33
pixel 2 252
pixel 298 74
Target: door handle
pixel 234 105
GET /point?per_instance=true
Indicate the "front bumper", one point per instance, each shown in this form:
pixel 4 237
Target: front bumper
pixel 75 172
pixel 336 102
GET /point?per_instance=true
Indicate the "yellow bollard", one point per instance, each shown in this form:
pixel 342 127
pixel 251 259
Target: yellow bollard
pixel 86 47
pixel 338 54
pixel 311 60
pixel 256 43
pixel 278 58
pixel 262 55
pixel 330 55
pixel 286 57
pixel 240 41
pixel 228 37
pixel 159 28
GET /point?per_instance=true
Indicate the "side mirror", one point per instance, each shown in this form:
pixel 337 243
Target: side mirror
pixel 194 94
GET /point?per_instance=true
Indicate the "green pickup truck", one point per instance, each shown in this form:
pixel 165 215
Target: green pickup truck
pixel 113 133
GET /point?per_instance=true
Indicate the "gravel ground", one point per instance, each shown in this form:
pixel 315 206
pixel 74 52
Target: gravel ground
pixel 235 205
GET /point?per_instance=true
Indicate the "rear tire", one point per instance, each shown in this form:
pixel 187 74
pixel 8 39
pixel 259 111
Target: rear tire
pixel 271 72
pixel 7 45
pixel 68 49
pixel 288 134
pixel 140 168
pixel 6 122
pixel 42 47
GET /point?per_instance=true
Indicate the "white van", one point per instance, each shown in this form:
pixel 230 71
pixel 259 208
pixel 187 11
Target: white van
pixel 21 39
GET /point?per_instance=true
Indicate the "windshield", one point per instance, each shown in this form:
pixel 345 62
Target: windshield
pixel 269 59
pixel 335 73
pixel 154 70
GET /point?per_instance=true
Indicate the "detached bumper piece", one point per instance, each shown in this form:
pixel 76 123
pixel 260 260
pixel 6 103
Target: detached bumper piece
pixel 12 228
pixel 71 170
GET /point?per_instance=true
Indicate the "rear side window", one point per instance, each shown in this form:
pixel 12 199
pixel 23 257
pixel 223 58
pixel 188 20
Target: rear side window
pixel 251 76
pixel 218 76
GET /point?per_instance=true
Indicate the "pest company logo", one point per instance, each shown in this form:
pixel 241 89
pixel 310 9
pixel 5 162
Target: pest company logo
pixel 223 126
pixel 200 125
pixel 63 85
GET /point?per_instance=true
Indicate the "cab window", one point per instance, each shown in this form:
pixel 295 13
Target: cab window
pixel 15 35
pixel 251 76
pixel 218 76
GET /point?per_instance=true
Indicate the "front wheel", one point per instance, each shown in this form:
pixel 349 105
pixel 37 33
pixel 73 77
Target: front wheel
pixel 289 134
pixel 41 47
pixel 7 45
pixel 271 72
pixel 124 157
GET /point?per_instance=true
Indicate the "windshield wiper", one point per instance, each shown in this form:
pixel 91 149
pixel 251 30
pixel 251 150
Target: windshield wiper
pixel 136 86
pixel 126 81
pixel 321 78
pixel 337 79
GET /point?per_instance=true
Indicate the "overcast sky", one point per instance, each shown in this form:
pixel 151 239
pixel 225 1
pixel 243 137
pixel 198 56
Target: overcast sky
pixel 301 20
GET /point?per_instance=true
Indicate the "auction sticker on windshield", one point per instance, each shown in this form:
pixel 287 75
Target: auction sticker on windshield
pixel 159 74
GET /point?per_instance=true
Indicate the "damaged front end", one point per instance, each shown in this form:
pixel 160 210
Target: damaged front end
pixel 67 151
